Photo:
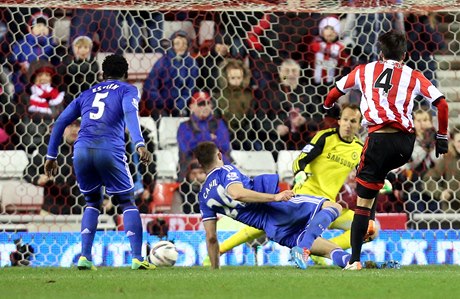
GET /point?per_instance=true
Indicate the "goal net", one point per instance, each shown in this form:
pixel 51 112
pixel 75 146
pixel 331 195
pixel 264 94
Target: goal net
pixel 262 69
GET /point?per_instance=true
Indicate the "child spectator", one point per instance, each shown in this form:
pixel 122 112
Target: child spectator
pixel 171 80
pixel 236 102
pixel 80 70
pixel 330 55
pixel 44 97
pixel 202 126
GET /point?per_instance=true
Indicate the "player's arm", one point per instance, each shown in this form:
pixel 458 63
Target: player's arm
pixel 237 192
pixel 442 145
pixel 131 109
pixel 212 243
pixel 308 154
pixel 69 115
pixel 342 86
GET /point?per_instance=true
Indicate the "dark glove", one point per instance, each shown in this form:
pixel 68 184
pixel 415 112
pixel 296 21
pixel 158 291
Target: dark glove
pixel 442 145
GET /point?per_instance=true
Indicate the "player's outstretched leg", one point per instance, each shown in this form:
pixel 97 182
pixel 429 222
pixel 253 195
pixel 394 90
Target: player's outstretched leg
pixel 88 230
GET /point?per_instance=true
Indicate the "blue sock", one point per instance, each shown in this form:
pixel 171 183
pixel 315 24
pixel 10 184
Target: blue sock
pixel 88 230
pixel 317 225
pixel 340 257
pixel 133 229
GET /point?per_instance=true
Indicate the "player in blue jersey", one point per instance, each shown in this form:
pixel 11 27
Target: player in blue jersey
pixel 99 154
pixel 292 221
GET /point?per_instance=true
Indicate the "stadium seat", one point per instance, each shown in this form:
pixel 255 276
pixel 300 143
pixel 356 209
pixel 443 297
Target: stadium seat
pixel 167 162
pixel 20 197
pixel 253 163
pixel 284 165
pixel 149 123
pixel 163 194
pixel 167 131
pixel 12 164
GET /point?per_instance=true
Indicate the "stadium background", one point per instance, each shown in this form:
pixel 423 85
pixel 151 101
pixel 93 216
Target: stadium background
pixel 262 35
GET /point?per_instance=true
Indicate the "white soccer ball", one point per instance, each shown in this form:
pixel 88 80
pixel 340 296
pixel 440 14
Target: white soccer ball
pixel 163 254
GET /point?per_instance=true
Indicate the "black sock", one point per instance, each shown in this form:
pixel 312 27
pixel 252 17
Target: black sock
pixel 358 231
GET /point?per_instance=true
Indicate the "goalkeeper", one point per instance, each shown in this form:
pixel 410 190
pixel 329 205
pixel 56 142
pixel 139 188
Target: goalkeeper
pixel 321 169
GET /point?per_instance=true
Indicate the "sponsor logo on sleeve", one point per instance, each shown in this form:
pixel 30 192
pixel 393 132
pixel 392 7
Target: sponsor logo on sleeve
pixel 232 176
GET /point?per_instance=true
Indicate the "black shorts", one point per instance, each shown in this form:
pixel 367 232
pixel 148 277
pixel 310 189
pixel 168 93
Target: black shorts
pixel 382 152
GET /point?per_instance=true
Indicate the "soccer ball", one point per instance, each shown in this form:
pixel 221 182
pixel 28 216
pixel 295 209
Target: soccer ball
pixel 163 254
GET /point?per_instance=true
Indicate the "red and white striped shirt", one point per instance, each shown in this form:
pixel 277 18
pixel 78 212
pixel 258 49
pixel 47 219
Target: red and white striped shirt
pixel 388 91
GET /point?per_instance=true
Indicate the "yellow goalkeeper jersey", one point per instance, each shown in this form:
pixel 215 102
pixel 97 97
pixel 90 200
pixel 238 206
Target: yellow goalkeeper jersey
pixel 329 159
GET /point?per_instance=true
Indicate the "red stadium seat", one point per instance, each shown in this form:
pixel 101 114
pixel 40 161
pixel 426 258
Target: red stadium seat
pixel 163 194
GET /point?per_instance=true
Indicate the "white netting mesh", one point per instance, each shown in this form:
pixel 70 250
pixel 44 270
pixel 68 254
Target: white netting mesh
pixel 227 40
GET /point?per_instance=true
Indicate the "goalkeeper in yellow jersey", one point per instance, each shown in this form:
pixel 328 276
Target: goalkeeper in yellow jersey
pixel 321 169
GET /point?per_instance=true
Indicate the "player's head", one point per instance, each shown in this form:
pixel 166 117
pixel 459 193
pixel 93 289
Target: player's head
pixel 115 67
pixel 393 45
pixel 349 121
pixel 208 155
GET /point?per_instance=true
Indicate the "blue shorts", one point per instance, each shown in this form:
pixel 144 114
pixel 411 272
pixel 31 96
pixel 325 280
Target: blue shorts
pixel 95 168
pixel 287 220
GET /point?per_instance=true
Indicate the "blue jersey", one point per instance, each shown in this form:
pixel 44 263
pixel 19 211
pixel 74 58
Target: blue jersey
pixel 281 221
pixel 105 110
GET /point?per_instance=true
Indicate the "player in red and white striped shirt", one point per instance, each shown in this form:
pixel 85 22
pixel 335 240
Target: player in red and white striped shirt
pixel 388 91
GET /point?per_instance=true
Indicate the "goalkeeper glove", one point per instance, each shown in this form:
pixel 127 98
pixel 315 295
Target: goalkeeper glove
pixel 442 145
pixel 300 178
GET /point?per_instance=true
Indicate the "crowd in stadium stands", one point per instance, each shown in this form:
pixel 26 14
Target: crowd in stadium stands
pixel 247 80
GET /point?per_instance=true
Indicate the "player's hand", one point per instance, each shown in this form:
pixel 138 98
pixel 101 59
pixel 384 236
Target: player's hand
pixel 51 168
pixel 442 145
pixel 300 178
pixel 284 195
pixel 145 156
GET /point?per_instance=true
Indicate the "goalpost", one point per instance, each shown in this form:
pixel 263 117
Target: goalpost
pixel 419 220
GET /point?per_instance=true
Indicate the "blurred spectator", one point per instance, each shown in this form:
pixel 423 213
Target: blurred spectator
pixel 442 181
pixel 423 158
pixel 286 100
pixel 61 194
pixel 37 44
pixel 79 70
pixel 185 198
pixel 424 40
pixel 101 26
pixel 202 126
pixel 45 99
pixel 330 55
pixel 211 55
pixel 236 103
pixel 171 81
pixel 43 104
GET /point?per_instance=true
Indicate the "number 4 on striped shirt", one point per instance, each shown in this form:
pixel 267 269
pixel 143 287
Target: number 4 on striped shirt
pixel 384 80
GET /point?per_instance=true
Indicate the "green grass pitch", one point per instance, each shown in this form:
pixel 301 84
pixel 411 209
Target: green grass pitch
pixel 231 282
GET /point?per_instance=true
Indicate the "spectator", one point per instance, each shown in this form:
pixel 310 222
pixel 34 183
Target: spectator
pixel 202 126
pixel 330 56
pixel 286 97
pixel 37 44
pixel 146 30
pixel 185 199
pixel 171 80
pixel 44 104
pixel 101 26
pixel 236 103
pixel 80 70
pixel 442 180
pixel 62 195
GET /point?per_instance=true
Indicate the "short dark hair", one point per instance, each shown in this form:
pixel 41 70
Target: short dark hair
pixel 352 107
pixel 393 45
pixel 115 66
pixel 205 153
